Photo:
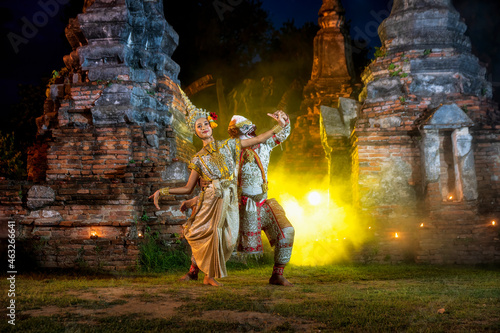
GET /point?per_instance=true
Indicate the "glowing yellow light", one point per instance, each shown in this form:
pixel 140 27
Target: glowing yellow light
pixel 140 235
pixel 314 198
pixel 396 235
pixel 421 225
pixel 93 234
pixel 369 227
pixel 450 197
pixel 493 222
pixel 313 214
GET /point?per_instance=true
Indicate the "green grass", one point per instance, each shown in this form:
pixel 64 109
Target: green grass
pixel 336 298
pixel 156 257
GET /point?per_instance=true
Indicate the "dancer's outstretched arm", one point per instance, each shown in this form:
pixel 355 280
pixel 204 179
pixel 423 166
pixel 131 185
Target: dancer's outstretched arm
pixel 261 138
pixel 187 189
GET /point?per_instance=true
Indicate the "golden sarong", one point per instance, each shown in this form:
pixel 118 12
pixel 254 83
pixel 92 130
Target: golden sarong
pixel 212 232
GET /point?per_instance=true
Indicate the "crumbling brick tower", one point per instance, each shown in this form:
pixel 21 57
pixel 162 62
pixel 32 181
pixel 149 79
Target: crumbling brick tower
pixel 310 155
pixel 112 132
pixel 428 141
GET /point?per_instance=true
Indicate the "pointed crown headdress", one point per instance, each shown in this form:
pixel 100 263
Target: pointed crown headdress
pixel 193 113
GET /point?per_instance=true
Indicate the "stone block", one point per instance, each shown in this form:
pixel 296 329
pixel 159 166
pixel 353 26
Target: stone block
pixel 448 116
pixel 40 196
pixel 349 108
pixel 384 89
pixel 332 123
pixel 176 172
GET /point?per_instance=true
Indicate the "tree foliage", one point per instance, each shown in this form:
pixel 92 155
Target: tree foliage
pixel 255 63
pixel 11 164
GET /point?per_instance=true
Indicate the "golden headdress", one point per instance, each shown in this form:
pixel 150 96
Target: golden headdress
pixel 193 113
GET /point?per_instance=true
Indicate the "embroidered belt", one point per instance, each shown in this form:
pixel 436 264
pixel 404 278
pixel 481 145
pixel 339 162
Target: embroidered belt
pixel 251 202
pixel 225 183
pixel 222 184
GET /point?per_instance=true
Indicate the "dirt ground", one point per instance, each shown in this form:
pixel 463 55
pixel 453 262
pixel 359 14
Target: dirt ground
pixel 163 305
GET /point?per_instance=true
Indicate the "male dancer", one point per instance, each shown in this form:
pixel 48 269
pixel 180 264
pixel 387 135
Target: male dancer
pixel 257 213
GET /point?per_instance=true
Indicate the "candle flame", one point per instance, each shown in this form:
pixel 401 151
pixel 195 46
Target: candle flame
pixel 493 222
pixel 396 235
pixel 421 225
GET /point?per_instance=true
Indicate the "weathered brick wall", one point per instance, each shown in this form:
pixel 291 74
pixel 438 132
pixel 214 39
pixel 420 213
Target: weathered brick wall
pixel 101 177
pixel 59 234
pixel 487 155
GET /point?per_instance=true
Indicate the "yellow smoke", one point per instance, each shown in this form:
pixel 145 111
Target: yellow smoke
pixel 325 231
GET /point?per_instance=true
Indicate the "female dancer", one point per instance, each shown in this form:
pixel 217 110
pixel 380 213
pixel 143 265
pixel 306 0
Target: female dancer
pixel 212 230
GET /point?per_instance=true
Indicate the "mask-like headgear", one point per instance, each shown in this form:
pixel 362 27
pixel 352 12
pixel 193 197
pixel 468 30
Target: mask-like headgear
pixel 241 127
pixel 193 113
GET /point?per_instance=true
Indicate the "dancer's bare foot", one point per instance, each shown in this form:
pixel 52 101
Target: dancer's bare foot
pixel 189 277
pixel 211 281
pixel 280 280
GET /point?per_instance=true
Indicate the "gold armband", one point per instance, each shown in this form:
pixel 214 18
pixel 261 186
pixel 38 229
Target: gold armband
pixel 164 191
pixel 277 129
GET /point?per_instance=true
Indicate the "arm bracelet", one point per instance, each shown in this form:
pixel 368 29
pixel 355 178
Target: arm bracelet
pixel 277 129
pixel 164 191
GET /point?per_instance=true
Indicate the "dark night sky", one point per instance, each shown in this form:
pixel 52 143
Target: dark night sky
pixel 44 50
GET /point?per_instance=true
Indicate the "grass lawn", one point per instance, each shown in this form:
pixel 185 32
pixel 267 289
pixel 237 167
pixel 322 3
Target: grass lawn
pixel 336 298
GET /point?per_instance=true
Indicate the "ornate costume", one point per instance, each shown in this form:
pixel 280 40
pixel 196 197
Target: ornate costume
pixel 257 213
pixel 212 230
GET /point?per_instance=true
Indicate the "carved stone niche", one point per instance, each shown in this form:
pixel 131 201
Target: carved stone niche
pixel 448 155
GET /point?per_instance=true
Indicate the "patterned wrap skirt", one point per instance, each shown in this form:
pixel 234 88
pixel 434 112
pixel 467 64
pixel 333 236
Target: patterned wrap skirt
pixel 212 230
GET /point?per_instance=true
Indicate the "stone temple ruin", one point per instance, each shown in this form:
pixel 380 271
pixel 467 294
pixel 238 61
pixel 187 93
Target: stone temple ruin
pixel 111 132
pixel 418 152
pixel 421 145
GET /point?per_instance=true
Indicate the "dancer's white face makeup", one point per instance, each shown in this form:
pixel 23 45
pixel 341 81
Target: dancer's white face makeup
pixel 203 129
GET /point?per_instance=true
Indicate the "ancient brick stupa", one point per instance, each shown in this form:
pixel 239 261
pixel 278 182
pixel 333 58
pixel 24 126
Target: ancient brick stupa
pixel 331 79
pixel 428 140
pixel 112 133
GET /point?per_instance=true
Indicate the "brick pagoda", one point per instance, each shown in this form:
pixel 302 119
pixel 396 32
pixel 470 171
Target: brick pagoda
pixel 428 139
pixel 112 133
pixel 331 79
